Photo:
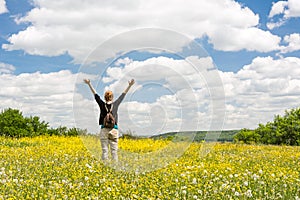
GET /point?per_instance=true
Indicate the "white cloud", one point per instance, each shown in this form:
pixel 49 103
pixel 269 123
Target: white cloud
pixel 278 8
pixel 260 90
pixel 234 39
pixel 293 41
pixel 191 84
pixel 3 8
pixel 49 96
pixel 288 9
pixel 253 95
pixel 77 27
pixel 6 68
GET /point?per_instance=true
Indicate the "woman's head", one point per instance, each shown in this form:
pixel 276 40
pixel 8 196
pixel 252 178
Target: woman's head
pixel 108 96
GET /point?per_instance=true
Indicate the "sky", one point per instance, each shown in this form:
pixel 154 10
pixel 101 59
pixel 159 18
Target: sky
pixel 198 65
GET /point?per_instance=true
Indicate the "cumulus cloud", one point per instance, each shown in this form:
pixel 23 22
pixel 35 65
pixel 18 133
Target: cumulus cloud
pixel 6 68
pixel 285 9
pixel 77 27
pixel 46 95
pixel 293 41
pixel 176 99
pixel 3 8
pixel 169 95
pixel 260 90
pixel 253 95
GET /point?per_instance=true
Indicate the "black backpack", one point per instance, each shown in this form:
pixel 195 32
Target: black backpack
pixel 109 120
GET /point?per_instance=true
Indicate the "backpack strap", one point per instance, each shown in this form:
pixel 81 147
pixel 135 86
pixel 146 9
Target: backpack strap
pixel 110 108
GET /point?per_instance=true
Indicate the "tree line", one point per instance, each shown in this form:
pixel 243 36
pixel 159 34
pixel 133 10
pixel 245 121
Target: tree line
pixel 14 124
pixel 284 130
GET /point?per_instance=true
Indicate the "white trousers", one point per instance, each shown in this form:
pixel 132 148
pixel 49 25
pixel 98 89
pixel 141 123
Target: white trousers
pixel 107 144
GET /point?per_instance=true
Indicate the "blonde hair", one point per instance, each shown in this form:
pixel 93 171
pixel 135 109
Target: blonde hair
pixel 108 96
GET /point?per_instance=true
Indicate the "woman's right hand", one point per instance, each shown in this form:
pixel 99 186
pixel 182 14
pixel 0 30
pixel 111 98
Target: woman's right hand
pixel 87 81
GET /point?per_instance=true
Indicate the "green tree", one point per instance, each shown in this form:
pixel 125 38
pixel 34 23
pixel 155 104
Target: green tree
pixel 247 136
pixel 36 127
pixel 12 123
pixel 283 130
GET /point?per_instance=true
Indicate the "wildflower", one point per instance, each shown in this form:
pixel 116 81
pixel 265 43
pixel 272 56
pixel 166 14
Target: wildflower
pixel 246 183
pixel 249 193
pixel 236 193
pixel 88 166
pixel 255 177
pixel 194 181
pixel 195 197
pixel 183 187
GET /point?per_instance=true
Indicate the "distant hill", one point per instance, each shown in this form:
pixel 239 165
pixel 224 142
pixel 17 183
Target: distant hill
pixel 225 136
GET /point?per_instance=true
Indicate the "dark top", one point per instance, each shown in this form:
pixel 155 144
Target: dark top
pixel 103 111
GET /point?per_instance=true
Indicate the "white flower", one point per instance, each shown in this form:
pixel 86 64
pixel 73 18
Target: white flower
pixel 195 197
pixel 88 166
pixel 183 191
pixel 260 171
pixel 255 177
pixel 246 183
pixel 261 182
pixel 249 193
pixel 236 193
pixel 194 181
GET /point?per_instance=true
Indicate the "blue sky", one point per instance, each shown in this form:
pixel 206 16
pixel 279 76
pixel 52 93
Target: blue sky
pixel 254 44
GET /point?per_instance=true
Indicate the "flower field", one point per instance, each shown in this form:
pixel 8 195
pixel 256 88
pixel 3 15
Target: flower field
pixel 62 168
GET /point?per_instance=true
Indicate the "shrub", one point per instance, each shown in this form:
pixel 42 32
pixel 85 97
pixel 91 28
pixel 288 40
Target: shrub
pixel 284 130
pixel 247 136
pixel 13 124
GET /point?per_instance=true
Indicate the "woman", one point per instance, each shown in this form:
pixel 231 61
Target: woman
pixel 105 107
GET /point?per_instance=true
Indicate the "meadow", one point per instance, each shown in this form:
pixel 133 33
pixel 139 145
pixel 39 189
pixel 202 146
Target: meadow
pixel 53 167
